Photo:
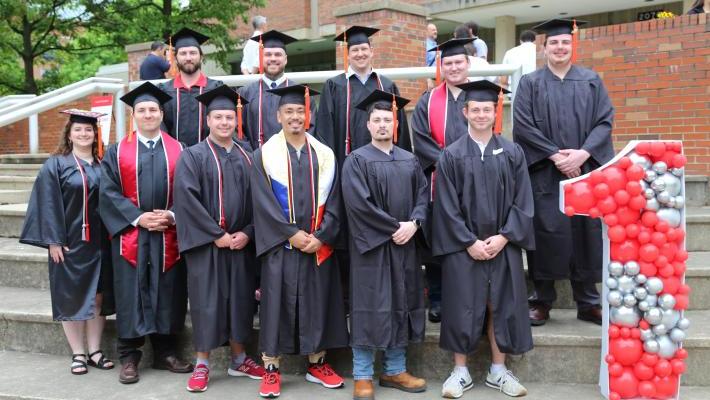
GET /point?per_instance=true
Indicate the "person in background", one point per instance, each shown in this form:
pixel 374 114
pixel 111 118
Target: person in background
pixel 430 57
pixel 155 65
pixel 463 32
pixel 479 44
pixel 525 55
pixel 250 54
pixel 700 7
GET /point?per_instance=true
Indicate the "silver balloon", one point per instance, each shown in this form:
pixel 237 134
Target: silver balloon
pixel 653 316
pixel 671 203
pixel 670 215
pixel 677 335
pixel 683 323
pixel 629 300
pixel 640 279
pixel 654 285
pixel 612 283
pixel 640 293
pixel 647 334
pixel 664 197
pixel 615 298
pixel 651 346
pixel 616 268
pixel 652 300
pixel 626 284
pixel 638 159
pixel 677 172
pixel 625 316
pixel 679 202
pixel 659 330
pixel 658 185
pixel 650 176
pixel 660 167
pixel 652 204
pixel 671 183
pixel 643 305
pixel 666 301
pixel 632 268
pixel 666 347
pixel 670 318
pixel 649 194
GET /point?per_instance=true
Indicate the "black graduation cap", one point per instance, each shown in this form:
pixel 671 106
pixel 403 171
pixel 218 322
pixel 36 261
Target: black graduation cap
pixel 558 26
pixel 356 35
pixel 146 92
pixel 83 116
pixel 380 96
pixel 294 94
pixel 221 98
pixel 453 47
pixel 186 37
pixel 482 90
pixel 274 38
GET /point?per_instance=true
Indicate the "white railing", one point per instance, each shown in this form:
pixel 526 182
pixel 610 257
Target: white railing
pixel 33 120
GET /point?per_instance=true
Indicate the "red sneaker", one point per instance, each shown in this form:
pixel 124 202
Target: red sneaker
pixel 248 368
pixel 198 380
pixel 322 373
pixel 270 383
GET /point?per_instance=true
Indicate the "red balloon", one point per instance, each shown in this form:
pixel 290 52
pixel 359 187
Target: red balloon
pixel 681 255
pixel 624 162
pixel 634 186
pixel 616 369
pixel 606 205
pixel 643 148
pixel 666 387
pixel 596 177
pixel 649 219
pixel 625 332
pixel 609 359
pixel 658 238
pixel 632 230
pixel 681 353
pixel 666 271
pixel 594 212
pixel 667 158
pixel 661 262
pixel 568 187
pixel 672 235
pixel 650 359
pixel 635 173
pixel 663 368
pixel 669 250
pixel 614 396
pixel 670 285
pixel 601 190
pixel 648 252
pixel 625 251
pixel 626 351
pixel 581 197
pixel 643 372
pixel 617 234
pixel 678 366
pixel 615 177
pixel 662 226
pixel 627 215
pixel 626 384
pixel 657 149
pixel 611 219
pixel 679 161
pixel 680 233
pixel 635 333
pixel 681 302
pixel 647 389
pixel 637 203
pixel 643 324
pixel 684 289
pixel 648 269
pixel 644 237
pixel 621 197
pixel 569 211
pixel 614 332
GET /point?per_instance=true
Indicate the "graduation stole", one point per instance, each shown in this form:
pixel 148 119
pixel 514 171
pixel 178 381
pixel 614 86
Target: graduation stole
pixel 437 109
pixel 276 161
pixel 261 123
pixel 85 233
pixel 127 154
pixel 347 108
pixel 220 179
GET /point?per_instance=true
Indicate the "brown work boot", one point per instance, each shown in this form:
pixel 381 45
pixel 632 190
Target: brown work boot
pixel 539 313
pixel 404 381
pixel 363 390
pixel 129 373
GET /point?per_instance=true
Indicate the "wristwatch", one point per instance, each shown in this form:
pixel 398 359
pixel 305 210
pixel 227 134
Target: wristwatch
pixel 417 223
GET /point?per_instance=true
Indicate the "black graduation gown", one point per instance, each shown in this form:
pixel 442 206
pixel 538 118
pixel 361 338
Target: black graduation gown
pixel 147 299
pixel 54 216
pixel 386 283
pixel 301 310
pixel 221 282
pixel 187 129
pixel 332 114
pixel 270 105
pixel 478 199
pixel 552 114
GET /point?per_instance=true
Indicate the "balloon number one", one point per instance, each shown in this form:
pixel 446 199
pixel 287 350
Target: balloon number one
pixel 640 196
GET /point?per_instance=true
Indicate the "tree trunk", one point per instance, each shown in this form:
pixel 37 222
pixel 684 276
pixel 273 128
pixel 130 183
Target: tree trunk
pixel 167 13
pixel 28 57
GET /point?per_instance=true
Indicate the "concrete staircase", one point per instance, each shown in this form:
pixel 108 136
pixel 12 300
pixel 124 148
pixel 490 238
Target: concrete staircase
pixel 563 365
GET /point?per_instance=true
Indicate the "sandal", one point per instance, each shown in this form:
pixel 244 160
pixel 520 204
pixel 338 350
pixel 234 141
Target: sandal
pixel 77 364
pixel 101 364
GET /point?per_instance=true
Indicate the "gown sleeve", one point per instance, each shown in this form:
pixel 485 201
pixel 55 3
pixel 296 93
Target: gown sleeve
pixel 404 140
pixel 518 227
pixel 536 146
pixel 370 226
pixel 420 210
pixel 325 127
pixel 44 222
pixel 598 142
pixel 117 212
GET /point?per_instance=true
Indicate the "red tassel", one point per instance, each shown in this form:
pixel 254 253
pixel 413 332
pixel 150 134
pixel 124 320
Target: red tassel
pixel 173 71
pixel 394 117
pixel 100 144
pixel 307 124
pixel 240 134
pixel 498 126
pixel 575 41
pixel 344 46
pixel 438 68
pixel 261 55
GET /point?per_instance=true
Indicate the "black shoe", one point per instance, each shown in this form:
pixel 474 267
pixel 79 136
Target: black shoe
pixel 592 314
pixel 435 314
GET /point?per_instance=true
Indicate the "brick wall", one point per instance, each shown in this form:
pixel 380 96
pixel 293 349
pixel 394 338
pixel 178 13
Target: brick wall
pixel 658 76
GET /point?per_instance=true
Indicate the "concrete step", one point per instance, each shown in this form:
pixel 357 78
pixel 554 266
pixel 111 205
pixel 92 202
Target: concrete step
pixel 697 191
pixel 14 196
pixel 28 327
pixel 697 222
pixel 45 377
pixel 16 182
pixel 24 158
pixel 19 169
pixel 12 216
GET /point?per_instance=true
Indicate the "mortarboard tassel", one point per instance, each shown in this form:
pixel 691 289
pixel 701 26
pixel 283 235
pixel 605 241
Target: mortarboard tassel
pixel 498 125
pixel 438 68
pixel 173 71
pixel 394 118
pixel 100 144
pixel 261 54
pixel 240 133
pixel 344 46
pixel 130 130
pixel 307 124
pixel 575 41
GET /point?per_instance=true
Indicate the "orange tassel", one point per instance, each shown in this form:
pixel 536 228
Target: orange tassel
pixel 240 134
pixel 100 144
pixel 173 71
pixel 498 126
pixel 575 41
pixel 394 118
pixel 307 124
pixel 344 46
pixel 261 55
pixel 130 130
pixel 438 68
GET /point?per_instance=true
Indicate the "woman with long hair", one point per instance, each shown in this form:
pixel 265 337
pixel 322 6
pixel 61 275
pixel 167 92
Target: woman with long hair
pixel 62 216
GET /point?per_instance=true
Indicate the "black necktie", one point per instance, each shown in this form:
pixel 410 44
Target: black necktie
pixel 150 144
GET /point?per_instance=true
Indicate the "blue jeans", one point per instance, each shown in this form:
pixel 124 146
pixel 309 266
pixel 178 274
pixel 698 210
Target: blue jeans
pixel 395 362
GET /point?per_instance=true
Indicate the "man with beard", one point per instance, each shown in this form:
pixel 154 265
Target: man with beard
pixel 563 119
pixel 185 117
pixel 386 198
pixel 260 122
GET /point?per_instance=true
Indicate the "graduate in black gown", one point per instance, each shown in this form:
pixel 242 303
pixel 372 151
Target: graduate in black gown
pixel 184 117
pixel 149 277
pixel 482 220
pixel 437 122
pixel 562 120
pixel 260 122
pixel 62 217
pixel 386 197
pixel 213 215
pixel 296 199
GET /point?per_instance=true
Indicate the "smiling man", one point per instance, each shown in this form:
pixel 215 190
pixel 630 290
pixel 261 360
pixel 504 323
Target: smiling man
pixel 563 119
